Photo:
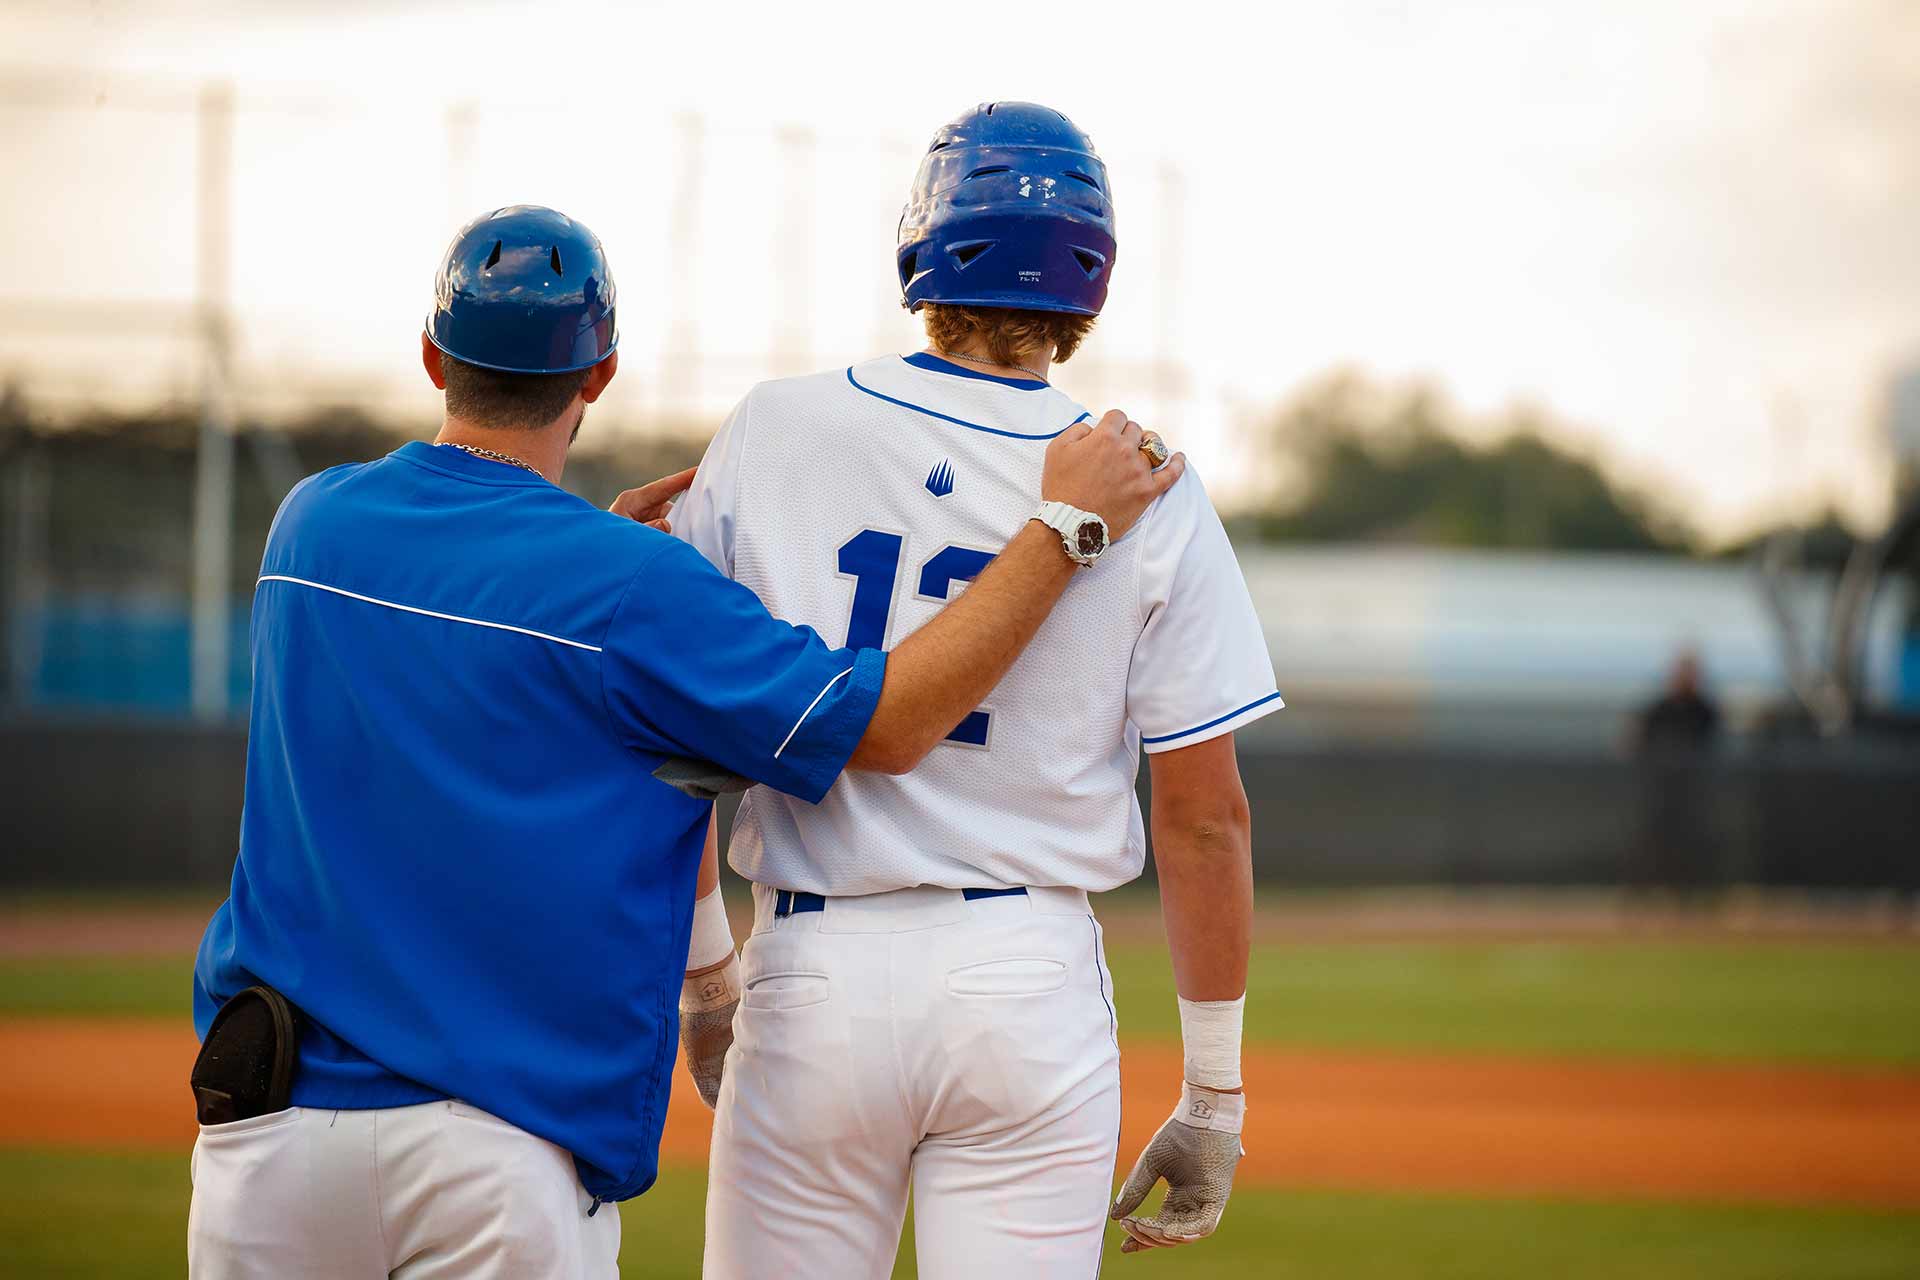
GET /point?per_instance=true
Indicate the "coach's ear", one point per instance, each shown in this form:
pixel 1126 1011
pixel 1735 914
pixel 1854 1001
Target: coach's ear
pixel 430 358
pixel 602 374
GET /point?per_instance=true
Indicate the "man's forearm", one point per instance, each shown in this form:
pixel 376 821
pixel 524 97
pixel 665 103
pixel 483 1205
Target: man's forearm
pixel 1205 869
pixel 1206 901
pixel 711 945
pixel 709 877
pixel 946 668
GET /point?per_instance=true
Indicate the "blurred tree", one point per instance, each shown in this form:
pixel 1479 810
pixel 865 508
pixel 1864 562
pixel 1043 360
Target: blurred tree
pixel 1362 462
pixel 1826 543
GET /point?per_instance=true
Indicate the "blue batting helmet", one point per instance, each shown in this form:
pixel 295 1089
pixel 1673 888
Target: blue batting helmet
pixel 1010 208
pixel 524 289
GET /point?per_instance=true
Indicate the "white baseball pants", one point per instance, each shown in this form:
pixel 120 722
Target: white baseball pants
pixel 918 1040
pixel 429 1192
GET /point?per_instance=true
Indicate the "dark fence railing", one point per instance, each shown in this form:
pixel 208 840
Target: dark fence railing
pixel 126 805
pixel 119 805
pixel 1808 814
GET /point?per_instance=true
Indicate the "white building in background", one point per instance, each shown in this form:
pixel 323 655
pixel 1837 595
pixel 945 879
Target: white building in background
pixel 1554 648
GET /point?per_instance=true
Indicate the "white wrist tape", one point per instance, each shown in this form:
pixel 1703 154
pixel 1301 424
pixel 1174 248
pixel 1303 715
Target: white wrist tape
pixel 1210 1031
pixel 712 939
pixel 1207 1109
pixel 714 989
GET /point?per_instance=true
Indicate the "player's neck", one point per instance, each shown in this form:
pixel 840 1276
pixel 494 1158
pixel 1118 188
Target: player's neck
pixel 1037 363
pixel 544 448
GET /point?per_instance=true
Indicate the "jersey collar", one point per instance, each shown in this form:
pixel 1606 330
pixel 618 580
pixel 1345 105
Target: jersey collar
pixel 460 463
pixel 934 364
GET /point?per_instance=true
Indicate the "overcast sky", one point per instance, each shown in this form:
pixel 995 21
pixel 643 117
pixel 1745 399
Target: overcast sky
pixel 1690 230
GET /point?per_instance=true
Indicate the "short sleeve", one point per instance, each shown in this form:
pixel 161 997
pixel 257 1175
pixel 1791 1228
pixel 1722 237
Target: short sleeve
pixel 694 665
pixel 703 518
pixel 1201 666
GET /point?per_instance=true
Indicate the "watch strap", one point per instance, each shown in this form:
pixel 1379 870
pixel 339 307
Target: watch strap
pixel 1066 520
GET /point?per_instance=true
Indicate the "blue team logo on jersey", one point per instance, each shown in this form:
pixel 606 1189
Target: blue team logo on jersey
pixel 940 479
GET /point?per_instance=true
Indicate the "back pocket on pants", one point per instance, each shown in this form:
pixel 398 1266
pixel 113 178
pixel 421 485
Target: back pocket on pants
pixel 1020 976
pixel 792 990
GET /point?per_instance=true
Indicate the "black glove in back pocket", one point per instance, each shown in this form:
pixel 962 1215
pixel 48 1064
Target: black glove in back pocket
pixel 246 1063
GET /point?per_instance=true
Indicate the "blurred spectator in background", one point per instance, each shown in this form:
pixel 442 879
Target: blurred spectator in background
pixel 1673 739
pixel 1682 721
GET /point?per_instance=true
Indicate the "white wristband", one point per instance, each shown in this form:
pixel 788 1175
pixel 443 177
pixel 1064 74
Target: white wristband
pixel 1210 1031
pixel 714 989
pixel 1208 1109
pixel 712 939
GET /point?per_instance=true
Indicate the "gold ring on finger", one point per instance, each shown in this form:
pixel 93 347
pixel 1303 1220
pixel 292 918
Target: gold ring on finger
pixel 1155 448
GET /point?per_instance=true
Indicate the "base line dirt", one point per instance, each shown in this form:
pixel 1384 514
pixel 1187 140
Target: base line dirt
pixel 1359 1121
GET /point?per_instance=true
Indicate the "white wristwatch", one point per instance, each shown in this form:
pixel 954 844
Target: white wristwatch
pixel 1083 533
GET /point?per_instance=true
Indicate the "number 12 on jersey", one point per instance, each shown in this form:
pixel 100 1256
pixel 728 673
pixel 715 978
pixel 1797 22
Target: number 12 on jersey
pixel 872 559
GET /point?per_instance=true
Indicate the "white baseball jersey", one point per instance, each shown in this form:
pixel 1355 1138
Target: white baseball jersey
pixel 859 502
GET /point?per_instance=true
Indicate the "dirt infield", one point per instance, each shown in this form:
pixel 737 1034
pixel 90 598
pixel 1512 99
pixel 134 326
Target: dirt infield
pixel 1375 1121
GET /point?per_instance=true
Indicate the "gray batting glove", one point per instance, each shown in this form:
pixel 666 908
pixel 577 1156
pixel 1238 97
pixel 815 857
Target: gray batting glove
pixel 707 1002
pixel 1196 1151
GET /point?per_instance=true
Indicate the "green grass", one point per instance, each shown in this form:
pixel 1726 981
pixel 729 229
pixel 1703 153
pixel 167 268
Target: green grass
pixel 1818 1002
pixel 96 986
pixel 69 1214
pixel 72 1215
pixel 65 1214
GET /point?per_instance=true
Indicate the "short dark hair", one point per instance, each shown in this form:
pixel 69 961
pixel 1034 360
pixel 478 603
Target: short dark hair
pixel 1006 332
pixel 490 398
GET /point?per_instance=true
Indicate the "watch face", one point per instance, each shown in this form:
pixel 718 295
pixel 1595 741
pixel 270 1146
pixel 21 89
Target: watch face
pixel 1091 538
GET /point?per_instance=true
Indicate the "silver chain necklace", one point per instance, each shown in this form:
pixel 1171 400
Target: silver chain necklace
pixel 994 364
pixel 490 455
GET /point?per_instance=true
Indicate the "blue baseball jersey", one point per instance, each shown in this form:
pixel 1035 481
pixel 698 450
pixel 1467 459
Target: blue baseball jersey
pixel 454 856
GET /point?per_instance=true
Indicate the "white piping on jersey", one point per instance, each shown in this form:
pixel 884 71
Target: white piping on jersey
pixel 958 422
pixel 809 711
pixel 1257 702
pixel 429 613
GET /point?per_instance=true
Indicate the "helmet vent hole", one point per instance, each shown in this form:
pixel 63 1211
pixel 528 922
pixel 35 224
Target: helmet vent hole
pixel 493 259
pixel 1078 176
pixel 939 146
pixel 555 261
pixel 907 261
pixel 992 168
pixel 967 252
pixel 1090 262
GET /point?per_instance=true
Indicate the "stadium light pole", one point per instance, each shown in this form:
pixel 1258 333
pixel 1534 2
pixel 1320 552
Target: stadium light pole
pixel 680 352
pixel 793 245
pixel 1167 372
pixel 463 124
pixel 896 159
pixel 26 577
pixel 213 480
